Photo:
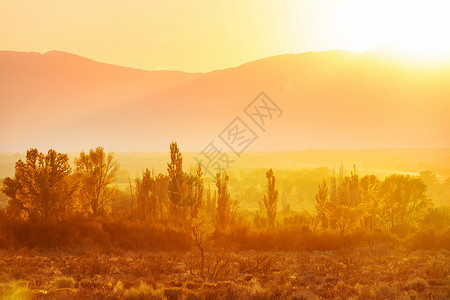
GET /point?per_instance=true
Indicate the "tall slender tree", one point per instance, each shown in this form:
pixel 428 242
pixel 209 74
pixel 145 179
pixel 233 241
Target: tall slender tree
pixel 271 199
pixel 320 217
pixel 197 192
pixel 223 215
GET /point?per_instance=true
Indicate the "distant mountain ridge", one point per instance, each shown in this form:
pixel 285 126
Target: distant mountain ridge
pixel 332 99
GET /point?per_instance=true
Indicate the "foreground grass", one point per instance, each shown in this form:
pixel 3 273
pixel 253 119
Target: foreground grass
pixel 368 273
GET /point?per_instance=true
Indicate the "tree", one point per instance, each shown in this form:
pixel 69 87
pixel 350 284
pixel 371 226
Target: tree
pixel 178 187
pixel 345 208
pixel 185 190
pixel 403 202
pixel 271 199
pixel 42 186
pixel 146 196
pixel 175 167
pixel 97 171
pixel 286 186
pixel 346 217
pixel 197 192
pixel 223 201
pixel 370 191
pixel 210 205
pixel 202 229
pixel 320 216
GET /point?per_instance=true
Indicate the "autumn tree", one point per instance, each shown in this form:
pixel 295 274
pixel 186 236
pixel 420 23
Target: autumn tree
pixel 175 166
pixel 403 201
pixel 345 208
pixel 210 203
pixel 320 217
pixel 97 171
pixel 146 196
pixel 177 187
pixel 42 186
pixel 271 199
pixel 223 215
pixel 185 190
pixel 370 194
pixel 286 186
pixel 198 189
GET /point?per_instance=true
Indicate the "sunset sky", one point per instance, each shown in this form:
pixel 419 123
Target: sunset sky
pixel 203 35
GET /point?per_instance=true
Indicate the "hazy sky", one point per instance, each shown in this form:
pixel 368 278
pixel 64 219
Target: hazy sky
pixel 201 35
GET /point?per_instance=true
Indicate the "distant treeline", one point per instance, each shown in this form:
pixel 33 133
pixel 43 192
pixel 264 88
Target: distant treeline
pixel 52 205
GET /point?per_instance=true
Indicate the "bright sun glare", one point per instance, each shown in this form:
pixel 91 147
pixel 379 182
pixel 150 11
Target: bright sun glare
pixel 415 29
pixel 418 30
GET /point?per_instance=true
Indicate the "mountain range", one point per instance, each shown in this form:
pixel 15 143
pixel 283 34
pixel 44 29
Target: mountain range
pixel 330 100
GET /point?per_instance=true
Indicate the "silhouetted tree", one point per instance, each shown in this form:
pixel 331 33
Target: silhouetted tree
pixel 177 188
pixel 320 217
pixel 370 194
pixel 97 171
pixel 185 190
pixel 175 166
pixel 210 207
pixel 345 208
pixel 271 199
pixel 42 186
pixel 146 197
pixel 223 201
pixel 197 192
pixel 286 186
pixel 403 201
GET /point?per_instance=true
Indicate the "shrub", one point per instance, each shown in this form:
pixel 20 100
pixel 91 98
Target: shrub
pixel 144 291
pixel 63 283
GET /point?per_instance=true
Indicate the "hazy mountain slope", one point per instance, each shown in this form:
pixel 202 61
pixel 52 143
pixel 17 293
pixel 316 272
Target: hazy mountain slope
pixel 39 92
pixel 333 99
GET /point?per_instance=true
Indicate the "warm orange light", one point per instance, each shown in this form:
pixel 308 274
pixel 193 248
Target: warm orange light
pixel 204 35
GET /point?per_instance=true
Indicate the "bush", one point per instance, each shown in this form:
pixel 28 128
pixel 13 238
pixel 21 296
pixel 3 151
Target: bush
pixel 144 291
pixel 63 283
pixel 429 240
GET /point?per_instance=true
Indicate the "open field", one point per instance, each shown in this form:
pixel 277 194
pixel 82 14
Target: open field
pixel 365 273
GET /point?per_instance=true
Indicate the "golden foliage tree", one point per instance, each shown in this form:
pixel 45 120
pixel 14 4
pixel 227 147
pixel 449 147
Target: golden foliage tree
pixel 370 193
pixel 345 207
pixel 177 186
pixel 185 190
pixel 42 186
pixel 271 199
pixel 320 217
pixel 223 215
pixel 97 171
pixel 404 201
pixel 198 189
pixel 146 196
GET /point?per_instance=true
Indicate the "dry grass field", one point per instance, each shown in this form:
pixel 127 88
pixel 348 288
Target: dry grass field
pixel 366 273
